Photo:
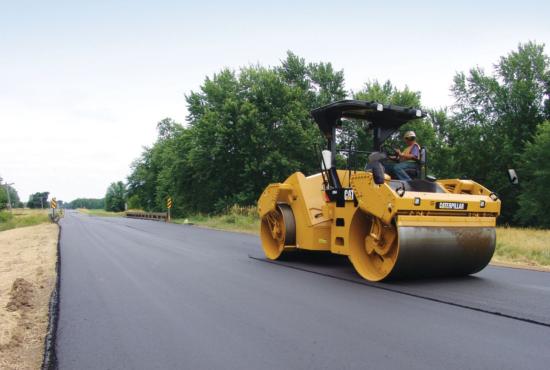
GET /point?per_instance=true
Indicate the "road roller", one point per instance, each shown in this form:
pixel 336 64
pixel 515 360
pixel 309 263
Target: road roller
pixel 388 228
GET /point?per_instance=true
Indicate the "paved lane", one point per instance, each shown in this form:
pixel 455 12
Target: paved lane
pixel 146 295
pixel 513 293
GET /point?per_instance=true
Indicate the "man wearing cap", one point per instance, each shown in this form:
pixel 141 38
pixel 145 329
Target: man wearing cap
pixel 407 158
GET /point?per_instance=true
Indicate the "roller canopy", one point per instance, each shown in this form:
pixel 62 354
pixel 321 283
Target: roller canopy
pixel 383 119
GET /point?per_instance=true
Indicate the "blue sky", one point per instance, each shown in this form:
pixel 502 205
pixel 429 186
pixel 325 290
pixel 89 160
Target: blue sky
pixel 82 84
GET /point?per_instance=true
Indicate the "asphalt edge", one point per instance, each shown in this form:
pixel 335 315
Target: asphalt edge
pixel 512 265
pixel 49 361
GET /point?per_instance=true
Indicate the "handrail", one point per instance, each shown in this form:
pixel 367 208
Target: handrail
pixel 147 215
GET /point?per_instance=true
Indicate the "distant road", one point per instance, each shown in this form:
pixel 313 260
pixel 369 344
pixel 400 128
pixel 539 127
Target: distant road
pixel 141 294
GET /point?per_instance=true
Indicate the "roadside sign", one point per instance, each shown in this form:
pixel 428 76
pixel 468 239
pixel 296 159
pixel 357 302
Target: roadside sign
pixel 169 206
pixel 53 206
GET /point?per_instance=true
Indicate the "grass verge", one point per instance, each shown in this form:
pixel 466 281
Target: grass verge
pixel 523 246
pixel 240 219
pixel 515 246
pixel 20 217
pixel 100 212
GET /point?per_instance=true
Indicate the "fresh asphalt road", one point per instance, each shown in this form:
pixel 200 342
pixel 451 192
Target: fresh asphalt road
pixel 141 294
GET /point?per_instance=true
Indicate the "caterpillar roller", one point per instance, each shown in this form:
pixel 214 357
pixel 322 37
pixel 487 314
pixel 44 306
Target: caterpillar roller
pixel 388 228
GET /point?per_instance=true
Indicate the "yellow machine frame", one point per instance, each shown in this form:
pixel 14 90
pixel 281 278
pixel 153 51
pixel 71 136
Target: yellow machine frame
pixel 383 228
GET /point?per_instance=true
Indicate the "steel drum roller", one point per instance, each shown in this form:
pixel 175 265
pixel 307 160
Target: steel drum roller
pixel 443 251
pixel 380 251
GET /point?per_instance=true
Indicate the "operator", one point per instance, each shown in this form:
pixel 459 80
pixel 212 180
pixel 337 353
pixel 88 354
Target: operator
pixel 404 159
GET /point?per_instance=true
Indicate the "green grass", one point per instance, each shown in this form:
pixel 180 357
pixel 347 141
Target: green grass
pixel 100 212
pixel 241 219
pixel 523 246
pixel 22 217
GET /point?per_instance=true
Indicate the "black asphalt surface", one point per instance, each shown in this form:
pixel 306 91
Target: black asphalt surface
pixel 141 294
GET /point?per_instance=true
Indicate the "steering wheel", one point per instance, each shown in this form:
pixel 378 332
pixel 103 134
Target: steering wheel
pixel 390 152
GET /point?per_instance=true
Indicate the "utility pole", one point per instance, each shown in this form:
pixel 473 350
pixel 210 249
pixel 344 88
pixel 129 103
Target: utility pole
pixel 8 192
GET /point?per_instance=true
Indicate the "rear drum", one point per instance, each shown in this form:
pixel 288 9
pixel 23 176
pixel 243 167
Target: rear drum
pixel 277 230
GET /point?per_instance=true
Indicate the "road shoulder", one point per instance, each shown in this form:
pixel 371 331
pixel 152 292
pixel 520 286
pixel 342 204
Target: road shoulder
pixel 27 279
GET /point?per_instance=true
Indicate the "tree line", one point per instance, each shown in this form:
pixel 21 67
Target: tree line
pixel 88 203
pixel 36 200
pixel 248 128
pixel 115 199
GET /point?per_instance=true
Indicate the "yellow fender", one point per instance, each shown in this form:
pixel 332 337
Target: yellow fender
pixel 271 195
pixel 381 199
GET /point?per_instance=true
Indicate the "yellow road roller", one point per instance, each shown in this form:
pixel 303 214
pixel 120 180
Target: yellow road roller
pixel 388 228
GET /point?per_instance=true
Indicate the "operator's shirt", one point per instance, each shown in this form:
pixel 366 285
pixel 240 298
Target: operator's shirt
pixel 413 149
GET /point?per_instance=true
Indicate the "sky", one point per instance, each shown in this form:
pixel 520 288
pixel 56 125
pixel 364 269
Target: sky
pixel 84 83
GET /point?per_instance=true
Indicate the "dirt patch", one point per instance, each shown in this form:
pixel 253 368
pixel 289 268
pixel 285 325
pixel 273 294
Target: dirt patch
pixel 20 295
pixel 27 278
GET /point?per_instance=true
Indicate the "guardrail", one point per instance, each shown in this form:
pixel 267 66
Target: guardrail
pixel 159 216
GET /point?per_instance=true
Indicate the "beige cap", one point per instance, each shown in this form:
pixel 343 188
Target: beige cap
pixel 409 134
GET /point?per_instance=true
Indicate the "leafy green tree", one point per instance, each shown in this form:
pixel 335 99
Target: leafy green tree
pixel 440 159
pixel 13 196
pixel 134 202
pixel 142 180
pixel 246 129
pixel 534 200
pixel 157 174
pixel 319 83
pixel 39 200
pixel 387 93
pixel 256 131
pixel 3 197
pixel 115 198
pixel 496 115
pixel 426 129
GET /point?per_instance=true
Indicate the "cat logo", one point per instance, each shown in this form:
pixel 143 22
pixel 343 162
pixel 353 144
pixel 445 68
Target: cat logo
pixel 348 194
